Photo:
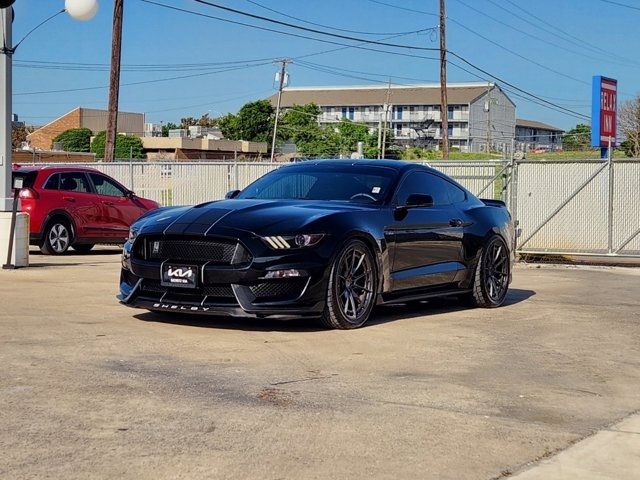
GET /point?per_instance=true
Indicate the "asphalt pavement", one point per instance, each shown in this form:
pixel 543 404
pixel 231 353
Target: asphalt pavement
pixel 92 389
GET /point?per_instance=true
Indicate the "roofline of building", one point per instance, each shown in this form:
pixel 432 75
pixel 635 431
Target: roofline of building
pixel 541 125
pixel 392 86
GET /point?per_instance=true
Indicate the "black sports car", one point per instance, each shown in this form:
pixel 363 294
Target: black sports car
pixel 326 239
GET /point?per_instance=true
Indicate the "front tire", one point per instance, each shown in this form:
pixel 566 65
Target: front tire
pixel 351 292
pixel 491 278
pixel 57 238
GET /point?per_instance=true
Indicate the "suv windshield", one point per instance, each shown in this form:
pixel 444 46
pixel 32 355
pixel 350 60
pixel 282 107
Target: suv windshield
pixel 356 184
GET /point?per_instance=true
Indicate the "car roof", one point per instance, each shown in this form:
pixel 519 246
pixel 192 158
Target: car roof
pixel 53 168
pixel 398 165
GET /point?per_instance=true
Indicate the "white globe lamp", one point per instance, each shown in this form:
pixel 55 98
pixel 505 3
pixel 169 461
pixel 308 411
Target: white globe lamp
pixel 81 9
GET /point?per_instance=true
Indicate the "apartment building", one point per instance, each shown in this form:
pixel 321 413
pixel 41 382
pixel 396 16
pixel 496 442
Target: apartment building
pixel 533 135
pixel 479 114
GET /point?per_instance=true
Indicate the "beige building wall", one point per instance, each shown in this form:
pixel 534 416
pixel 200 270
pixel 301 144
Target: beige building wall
pixel 43 137
pixel 93 119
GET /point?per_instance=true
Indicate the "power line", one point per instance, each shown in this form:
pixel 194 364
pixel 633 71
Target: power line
pixel 403 8
pixel 142 82
pixel 291 34
pixel 619 4
pixel 523 57
pixel 306 29
pixel 535 37
pixel 324 26
pixel 560 33
pixel 538 99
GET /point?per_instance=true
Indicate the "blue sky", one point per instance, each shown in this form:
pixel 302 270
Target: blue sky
pixel 159 36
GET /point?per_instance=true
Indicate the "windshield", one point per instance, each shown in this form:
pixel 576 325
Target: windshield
pixel 356 184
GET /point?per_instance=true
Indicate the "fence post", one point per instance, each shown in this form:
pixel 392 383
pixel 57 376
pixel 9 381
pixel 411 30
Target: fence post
pixel 235 168
pixel 131 174
pixel 610 200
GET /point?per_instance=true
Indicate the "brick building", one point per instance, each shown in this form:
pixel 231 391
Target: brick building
pixel 93 119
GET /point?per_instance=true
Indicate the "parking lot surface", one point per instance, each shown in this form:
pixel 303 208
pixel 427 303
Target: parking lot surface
pixel 92 389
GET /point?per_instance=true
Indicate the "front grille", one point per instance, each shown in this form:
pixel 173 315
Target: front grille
pixel 216 293
pixel 215 251
pixel 217 290
pixel 288 289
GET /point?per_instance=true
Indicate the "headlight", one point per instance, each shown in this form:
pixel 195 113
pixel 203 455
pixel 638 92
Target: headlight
pixel 133 232
pixel 283 242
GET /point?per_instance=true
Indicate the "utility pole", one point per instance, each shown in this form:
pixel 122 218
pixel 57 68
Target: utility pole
pixel 385 112
pixel 488 117
pixel 6 55
pixel 114 81
pixel 444 105
pixel 283 72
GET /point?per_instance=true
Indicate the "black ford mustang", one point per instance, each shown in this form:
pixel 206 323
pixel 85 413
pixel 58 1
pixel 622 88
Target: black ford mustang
pixel 326 239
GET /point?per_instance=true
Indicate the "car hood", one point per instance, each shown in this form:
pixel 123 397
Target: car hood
pixel 261 217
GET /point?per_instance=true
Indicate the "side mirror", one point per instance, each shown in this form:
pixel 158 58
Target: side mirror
pixel 232 194
pixel 419 200
pixel 130 194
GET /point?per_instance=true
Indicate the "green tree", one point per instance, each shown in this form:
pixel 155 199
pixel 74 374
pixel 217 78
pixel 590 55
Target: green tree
pixel 254 122
pixel 578 138
pixel 127 146
pixel 629 121
pixel 167 127
pixel 300 125
pixel 75 139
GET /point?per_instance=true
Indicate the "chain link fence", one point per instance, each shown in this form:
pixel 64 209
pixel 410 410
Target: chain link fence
pixel 579 207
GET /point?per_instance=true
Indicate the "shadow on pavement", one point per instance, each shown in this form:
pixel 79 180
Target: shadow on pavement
pixel 382 314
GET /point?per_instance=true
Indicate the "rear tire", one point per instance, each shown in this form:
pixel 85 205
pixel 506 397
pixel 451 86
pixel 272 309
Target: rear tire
pixel 83 247
pixel 352 288
pixel 491 278
pixel 57 238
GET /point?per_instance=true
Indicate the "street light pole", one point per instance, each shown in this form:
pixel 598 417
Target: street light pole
pixel 6 17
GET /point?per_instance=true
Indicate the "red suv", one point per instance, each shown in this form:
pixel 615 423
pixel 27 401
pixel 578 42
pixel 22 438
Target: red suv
pixel 76 207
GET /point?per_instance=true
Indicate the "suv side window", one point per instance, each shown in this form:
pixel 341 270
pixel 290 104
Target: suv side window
pixel 426 184
pixel 53 182
pixel 105 186
pixel 74 182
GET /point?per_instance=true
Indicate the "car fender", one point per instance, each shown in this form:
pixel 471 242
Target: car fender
pixel 62 213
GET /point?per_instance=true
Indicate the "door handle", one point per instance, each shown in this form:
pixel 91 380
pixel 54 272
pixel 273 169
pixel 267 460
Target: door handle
pixel 455 222
pixel 69 199
pixel 109 204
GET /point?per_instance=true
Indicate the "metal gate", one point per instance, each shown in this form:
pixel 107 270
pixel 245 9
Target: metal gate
pixel 587 207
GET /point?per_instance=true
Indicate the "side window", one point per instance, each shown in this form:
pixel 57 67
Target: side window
pixel 425 184
pixel 74 182
pixel 53 182
pixel 456 194
pixel 105 186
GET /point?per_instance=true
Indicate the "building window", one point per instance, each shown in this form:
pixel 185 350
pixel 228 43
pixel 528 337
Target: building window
pixel 397 113
pixel 450 129
pixel 348 113
pixel 398 130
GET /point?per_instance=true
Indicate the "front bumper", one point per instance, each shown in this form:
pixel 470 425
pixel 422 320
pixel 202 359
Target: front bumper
pixel 233 290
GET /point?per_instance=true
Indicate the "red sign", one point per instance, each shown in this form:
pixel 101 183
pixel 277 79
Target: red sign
pixel 608 110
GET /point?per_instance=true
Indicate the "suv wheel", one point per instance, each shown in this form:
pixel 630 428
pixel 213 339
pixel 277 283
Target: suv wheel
pixel 57 238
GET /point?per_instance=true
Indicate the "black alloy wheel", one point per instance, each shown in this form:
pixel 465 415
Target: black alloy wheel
pixel 352 287
pixel 491 281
